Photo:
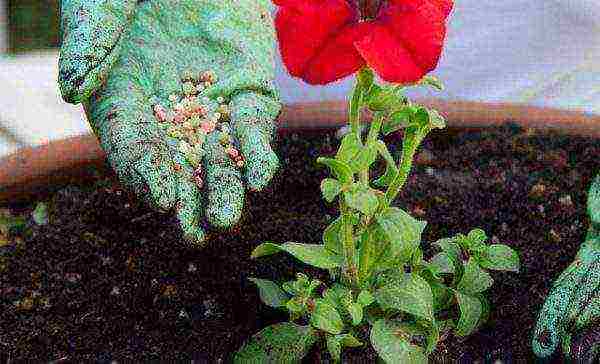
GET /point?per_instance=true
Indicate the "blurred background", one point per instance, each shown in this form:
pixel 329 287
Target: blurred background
pixel 542 53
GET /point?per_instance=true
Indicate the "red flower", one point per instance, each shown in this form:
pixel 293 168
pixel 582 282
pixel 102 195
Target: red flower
pixel 324 40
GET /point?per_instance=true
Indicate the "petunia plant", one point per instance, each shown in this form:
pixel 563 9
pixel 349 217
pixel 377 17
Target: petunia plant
pixel 382 288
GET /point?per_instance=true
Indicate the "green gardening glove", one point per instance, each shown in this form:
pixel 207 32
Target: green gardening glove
pixel 180 94
pixel 573 305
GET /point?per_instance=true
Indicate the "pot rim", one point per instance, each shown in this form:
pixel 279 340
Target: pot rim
pixel 26 172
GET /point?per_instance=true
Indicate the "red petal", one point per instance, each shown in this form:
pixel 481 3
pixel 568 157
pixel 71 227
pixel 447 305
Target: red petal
pixel 416 28
pixel 305 26
pixel 338 58
pixel 388 57
pixel 444 5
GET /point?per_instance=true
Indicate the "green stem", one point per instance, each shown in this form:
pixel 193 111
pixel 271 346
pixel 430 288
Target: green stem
pixel 408 155
pixel 349 246
pixel 355 101
pixel 348 228
pixel 374 130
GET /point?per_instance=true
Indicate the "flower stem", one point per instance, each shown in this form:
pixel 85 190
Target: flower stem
pixel 355 102
pixel 374 130
pixel 348 227
pixel 349 246
pixel 410 144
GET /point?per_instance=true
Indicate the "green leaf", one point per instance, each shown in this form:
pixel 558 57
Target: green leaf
pixel 350 147
pixel 302 286
pixel 485 308
pixel 364 159
pixel 354 154
pixel 420 118
pixel 354 309
pixel 314 284
pixel 335 343
pixel 442 295
pixel 433 337
pixel 436 121
pixel 403 232
pixel 40 214
pixel 474 242
pixel 454 253
pixel 392 341
pixel 363 199
pixel 470 312
pixel 365 298
pixel 330 188
pixel 332 236
pixel 295 305
pixel 593 202
pixel 312 254
pixel 365 78
pixel 325 317
pixel 432 81
pixel 367 254
pixel 9 222
pixel 335 348
pixel 391 170
pixel 301 283
pixel 477 236
pixel 382 98
pixel 270 293
pixel 336 294
pixel 348 340
pixel 339 169
pixel 442 263
pixel 356 312
pixel 474 279
pixel 398 119
pixel 500 257
pixel 279 343
pixel 411 295
pixel 417 258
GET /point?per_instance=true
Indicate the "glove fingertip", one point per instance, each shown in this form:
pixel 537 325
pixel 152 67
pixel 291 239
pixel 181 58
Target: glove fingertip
pixel 545 342
pixel 260 172
pixel 224 215
pixel 162 188
pixel 188 214
pixel 195 236
pixel 548 330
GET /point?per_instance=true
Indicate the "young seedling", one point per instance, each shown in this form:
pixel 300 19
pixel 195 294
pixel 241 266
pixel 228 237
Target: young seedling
pixel 381 283
pixel 373 251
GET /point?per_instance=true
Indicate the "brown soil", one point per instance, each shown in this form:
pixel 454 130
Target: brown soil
pixel 108 279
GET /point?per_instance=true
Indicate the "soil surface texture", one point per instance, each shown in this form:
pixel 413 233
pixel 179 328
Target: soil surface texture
pixel 109 279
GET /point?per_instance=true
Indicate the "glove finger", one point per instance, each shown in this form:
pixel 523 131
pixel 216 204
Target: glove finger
pixel 189 207
pixel 594 201
pixel 261 160
pixel 122 118
pixel 252 117
pixel 144 163
pixel 586 308
pixel 158 180
pixel 224 185
pixel 552 319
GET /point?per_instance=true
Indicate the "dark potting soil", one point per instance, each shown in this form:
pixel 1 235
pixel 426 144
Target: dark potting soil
pixel 109 279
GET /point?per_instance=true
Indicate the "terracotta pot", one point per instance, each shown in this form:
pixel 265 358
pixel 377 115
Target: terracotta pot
pixel 31 170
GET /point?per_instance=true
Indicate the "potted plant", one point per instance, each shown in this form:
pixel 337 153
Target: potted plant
pixel 97 257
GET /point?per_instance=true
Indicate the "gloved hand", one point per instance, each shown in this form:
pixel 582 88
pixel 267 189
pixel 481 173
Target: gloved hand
pixel 180 94
pixel 572 310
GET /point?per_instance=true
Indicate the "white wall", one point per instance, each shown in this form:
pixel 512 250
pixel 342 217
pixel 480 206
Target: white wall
pixel 542 52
